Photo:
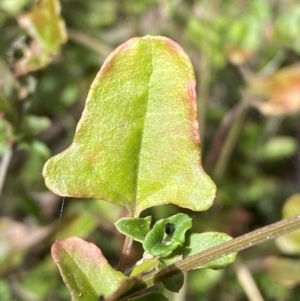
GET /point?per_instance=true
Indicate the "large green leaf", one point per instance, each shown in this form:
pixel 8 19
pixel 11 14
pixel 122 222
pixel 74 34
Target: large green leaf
pixel 85 270
pixel 137 143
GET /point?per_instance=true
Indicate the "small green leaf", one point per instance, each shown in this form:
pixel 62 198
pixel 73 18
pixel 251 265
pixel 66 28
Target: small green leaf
pixel 48 32
pixel 198 242
pixel 136 228
pixel 202 281
pixel 84 269
pixel 33 125
pixel 150 297
pixel 45 25
pixel 159 243
pixel 145 267
pixel 279 148
pixel 286 27
pixel 13 7
pixel 174 283
pixel 137 144
pixel 290 243
pixel 172 258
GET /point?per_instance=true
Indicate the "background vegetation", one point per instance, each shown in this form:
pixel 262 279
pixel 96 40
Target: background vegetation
pixel 245 55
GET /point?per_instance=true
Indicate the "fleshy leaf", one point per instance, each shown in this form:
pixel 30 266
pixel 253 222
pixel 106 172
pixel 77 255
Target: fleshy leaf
pixel 198 242
pixel 136 228
pixel 161 242
pixel 145 267
pixel 290 243
pixel 137 144
pixel 84 269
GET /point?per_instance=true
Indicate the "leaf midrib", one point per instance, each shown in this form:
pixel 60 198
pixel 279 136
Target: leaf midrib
pixel 134 211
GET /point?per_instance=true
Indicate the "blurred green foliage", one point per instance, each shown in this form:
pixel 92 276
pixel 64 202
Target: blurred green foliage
pixel 252 155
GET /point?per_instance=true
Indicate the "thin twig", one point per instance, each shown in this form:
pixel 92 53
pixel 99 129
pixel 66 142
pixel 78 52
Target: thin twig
pixel 89 42
pixel 246 281
pixel 5 164
pixel 125 254
pixel 228 146
pixel 222 130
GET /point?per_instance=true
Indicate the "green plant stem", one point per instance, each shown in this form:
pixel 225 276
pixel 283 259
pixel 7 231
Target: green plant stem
pixel 223 129
pixel 89 42
pixel 228 146
pixel 232 246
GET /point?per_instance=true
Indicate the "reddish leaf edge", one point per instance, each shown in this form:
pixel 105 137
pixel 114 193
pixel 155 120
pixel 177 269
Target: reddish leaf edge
pixel 79 281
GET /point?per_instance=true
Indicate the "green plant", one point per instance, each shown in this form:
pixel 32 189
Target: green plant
pixel 137 145
pixel 246 60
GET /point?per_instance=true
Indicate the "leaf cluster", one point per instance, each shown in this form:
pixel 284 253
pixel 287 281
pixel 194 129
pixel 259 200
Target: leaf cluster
pixel 245 56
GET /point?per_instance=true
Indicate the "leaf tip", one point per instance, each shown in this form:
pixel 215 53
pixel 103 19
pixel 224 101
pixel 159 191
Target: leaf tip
pixel 173 45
